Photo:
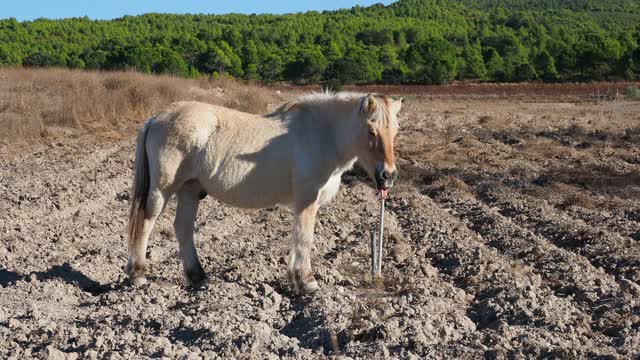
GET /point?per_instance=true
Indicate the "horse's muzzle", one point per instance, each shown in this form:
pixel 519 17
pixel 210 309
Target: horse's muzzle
pixel 385 178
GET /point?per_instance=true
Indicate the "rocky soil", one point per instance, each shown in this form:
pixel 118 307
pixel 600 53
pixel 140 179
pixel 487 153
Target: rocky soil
pixel 514 233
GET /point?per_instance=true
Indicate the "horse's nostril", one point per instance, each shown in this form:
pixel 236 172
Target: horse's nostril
pixel 389 175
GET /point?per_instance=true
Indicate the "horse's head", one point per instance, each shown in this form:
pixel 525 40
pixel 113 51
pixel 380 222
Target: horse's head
pixel 376 154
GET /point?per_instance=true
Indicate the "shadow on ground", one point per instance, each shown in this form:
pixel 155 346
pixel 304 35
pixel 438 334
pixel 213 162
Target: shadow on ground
pixel 64 272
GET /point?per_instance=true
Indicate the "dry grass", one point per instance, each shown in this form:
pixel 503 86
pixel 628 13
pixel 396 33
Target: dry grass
pixel 250 98
pixel 38 105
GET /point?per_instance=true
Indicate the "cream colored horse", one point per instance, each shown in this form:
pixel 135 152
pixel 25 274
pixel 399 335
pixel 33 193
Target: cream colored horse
pixel 294 156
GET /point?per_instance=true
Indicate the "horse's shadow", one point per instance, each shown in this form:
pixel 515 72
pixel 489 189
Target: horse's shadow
pixel 64 272
pixel 310 324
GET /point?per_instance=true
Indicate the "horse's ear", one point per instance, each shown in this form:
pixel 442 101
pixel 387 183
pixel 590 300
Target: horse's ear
pixel 368 104
pixel 286 107
pixel 290 105
pixel 396 105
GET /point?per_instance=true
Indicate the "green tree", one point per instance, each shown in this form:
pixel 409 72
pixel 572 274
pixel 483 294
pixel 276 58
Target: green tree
pixel 516 62
pixel 524 72
pixel 270 69
pixel 333 52
pixel 495 66
pixel 234 66
pixel 220 60
pixel 388 57
pixel 250 60
pixel 433 61
pixel 46 58
pixel 474 67
pixel 75 62
pixel 629 71
pixel 418 41
pixel 309 65
pixel 545 66
pixel 396 75
pixel 95 59
pixel 596 54
pixel 9 56
pixel 170 63
pixel 193 72
pixel 358 66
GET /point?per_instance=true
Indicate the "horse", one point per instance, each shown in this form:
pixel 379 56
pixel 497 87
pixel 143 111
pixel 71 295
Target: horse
pixel 294 156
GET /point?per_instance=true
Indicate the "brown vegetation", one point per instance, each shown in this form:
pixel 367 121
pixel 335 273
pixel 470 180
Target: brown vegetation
pixel 43 104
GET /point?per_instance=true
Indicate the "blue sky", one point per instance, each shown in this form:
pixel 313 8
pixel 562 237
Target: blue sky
pixel 109 9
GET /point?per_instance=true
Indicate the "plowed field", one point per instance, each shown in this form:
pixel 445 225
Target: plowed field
pixel 514 232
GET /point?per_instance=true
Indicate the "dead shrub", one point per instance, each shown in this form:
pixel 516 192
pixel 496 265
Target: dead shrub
pixel 210 97
pixel 113 83
pixel 251 99
pixel 15 129
pixel 139 98
pixel 225 82
pixel 169 93
pixel 485 119
pixel 62 117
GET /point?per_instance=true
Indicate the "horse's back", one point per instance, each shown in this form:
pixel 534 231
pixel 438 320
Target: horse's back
pixel 184 125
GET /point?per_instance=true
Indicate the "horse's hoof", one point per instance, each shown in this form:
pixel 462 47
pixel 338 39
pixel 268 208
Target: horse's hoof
pixel 310 287
pixel 302 281
pixel 198 282
pixel 138 281
pixel 135 270
pixel 196 277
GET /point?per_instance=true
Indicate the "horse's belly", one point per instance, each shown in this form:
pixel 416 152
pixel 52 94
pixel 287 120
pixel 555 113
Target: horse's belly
pixel 251 197
pixel 246 186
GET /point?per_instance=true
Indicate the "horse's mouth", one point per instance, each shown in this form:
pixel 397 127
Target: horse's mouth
pixel 383 185
pixel 383 190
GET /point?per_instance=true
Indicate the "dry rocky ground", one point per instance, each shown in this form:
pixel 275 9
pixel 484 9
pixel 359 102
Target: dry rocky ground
pixel 513 233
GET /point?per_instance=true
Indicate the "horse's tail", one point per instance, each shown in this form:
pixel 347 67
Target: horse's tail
pixel 140 186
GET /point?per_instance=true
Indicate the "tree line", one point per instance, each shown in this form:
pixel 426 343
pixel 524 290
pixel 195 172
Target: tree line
pixel 409 41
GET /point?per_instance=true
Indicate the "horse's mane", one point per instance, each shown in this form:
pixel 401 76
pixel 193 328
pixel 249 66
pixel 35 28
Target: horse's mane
pixel 311 99
pixel 380 110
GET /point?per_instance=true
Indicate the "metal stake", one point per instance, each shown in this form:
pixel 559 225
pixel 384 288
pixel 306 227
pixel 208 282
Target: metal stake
pixel 374 253
pixel 376 247
pixel 379 270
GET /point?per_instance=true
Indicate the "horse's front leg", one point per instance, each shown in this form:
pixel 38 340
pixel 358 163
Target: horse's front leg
pixel 299 270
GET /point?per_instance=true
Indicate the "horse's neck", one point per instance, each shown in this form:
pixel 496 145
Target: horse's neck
pixel 339 125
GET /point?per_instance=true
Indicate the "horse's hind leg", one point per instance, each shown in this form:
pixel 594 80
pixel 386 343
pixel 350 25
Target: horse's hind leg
pixel 188 199
pixel 137 264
